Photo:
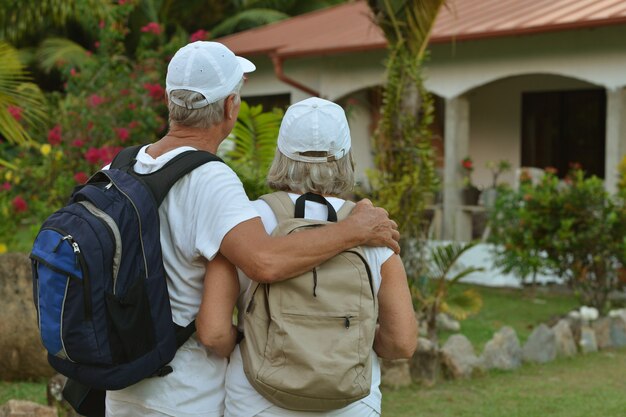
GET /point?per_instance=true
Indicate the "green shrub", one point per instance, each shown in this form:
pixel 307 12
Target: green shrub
pixel 573 228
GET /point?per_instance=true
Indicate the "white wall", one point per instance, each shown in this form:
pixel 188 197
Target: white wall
pixel 597 56
pixel 495 120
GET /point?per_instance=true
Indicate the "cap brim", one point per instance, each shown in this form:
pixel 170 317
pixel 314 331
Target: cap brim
pixel 246 65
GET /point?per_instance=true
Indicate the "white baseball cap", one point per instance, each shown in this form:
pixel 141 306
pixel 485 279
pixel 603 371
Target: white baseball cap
pixel 314 125
pixel 208 68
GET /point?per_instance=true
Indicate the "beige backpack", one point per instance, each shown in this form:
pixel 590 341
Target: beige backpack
pixel 308 340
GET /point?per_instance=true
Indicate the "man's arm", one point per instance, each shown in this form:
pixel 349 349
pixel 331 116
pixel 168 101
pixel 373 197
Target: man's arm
pixel 268 259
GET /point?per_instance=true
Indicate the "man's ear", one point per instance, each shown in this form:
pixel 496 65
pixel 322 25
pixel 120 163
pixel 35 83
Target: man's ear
pixel 229 105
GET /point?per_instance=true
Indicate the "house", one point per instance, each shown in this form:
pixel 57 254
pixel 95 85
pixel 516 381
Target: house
pixel 535 82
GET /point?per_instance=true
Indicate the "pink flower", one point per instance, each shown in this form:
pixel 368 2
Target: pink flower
pixel 101 24
pixel 81 177
pixel 122 133
pixel 95 100
pixel 198 35
pixel 152 27
pixel 124 92
pixel 132 106
pixel 133 124
pixel 54 135
pixel 122 2
pixel 107 153
pixel 73 72
pixel 92 155
pixel 6 186
pixel 89 125
pixel 78 143
pixel 16 112
pixel 19 204
pixel 154 90
pixel 96 44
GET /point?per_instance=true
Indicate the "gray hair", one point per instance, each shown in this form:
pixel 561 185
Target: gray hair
pixel 327 178
pixel 204 117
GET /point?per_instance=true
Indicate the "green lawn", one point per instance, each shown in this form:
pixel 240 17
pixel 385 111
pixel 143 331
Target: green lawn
pixel 585 386
pixel 511 307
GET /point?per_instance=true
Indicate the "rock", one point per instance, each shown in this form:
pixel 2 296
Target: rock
pixel 618 313
pixel 575 325
pixel 395 373
pixel 588 340
pixel 458 357
pixel 425 363
pixel 565 343
pixel 447 323
pixel 589 313
pixel 618 331
pixel 23 356
pixel 540 346
pixel 602 328
pixel 503 351
pixel 18 408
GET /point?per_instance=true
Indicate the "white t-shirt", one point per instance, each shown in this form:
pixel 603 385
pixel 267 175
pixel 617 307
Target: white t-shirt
pixel 242 400
pixel 200 209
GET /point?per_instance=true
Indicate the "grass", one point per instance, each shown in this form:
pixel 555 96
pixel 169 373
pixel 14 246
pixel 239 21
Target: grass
pixel 32 391
pixel 585 386
pixel 517 308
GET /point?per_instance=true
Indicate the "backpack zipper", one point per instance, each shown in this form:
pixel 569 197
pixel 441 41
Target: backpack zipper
pixel 367 269
pixel 80 261
pixel 143 250
pixel 114 234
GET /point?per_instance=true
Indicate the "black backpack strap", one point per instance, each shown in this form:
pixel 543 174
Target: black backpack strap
pixel 160 181
pixel 300 202
pixel 125 159
pixel 184 333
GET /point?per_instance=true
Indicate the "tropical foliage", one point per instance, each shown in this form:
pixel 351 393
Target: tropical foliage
pixel 102 64
pixel 571 227
pixel 21 101
pixel 432 290
pixel 405 175
pixel 253 145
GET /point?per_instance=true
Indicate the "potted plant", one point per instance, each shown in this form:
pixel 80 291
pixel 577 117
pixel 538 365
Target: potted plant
pixel 470 191
pixel 497 168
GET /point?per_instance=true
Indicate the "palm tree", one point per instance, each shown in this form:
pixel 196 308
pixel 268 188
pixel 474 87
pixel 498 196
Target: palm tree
pixel 405 177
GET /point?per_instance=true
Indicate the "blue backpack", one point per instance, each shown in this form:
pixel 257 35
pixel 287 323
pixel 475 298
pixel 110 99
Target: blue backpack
pixel 99 282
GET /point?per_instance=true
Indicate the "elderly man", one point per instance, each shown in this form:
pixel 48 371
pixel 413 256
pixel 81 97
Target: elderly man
pixel 207 220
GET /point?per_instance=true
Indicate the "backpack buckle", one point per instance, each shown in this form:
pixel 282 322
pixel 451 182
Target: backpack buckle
pixel 163 371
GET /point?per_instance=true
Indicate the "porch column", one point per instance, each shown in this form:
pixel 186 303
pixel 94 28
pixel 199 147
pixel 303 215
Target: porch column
pixel 615 135
pixel 456 147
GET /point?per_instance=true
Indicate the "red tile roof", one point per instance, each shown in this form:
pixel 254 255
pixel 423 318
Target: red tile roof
pixel 349 27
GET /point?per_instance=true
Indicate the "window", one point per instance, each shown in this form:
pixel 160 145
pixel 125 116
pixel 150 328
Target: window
pixel 564 127
pixel 269 102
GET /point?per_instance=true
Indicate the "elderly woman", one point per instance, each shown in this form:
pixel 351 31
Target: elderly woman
pixel 314 155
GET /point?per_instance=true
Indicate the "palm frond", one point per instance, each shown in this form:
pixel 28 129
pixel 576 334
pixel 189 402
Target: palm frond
pixel 247 19
pixel 445 256
pixel 462 305
pixel 17 91
pixel 28 17
pixel 54 51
